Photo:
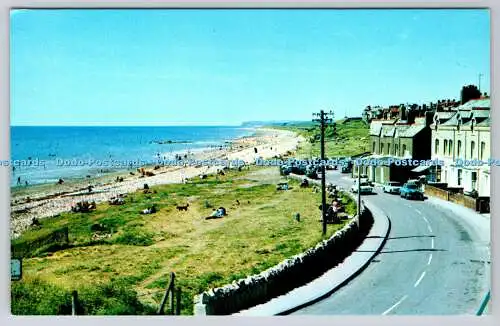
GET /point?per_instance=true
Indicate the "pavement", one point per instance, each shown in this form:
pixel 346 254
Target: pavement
pixel 333 279
pixel 436 261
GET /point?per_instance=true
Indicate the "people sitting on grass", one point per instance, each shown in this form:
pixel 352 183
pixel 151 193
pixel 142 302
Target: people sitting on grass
pixel 149 210
pixel 116 201
pixel 217 213
pixel 83 207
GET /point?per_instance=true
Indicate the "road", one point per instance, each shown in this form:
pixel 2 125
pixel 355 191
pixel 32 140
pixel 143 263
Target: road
pixel 433 263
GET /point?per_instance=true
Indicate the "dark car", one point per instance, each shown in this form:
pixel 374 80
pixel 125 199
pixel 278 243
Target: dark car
pixel 411 191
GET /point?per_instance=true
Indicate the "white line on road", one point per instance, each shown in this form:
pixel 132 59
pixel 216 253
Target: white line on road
pixel 419 280
pixel 430 259
pixel 416 210
pixel 395 305
pixel 429 228
pixel 432 243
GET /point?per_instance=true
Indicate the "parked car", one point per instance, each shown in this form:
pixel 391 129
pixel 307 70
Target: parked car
pixel 364 187
pixel 392 187
pixel 411 191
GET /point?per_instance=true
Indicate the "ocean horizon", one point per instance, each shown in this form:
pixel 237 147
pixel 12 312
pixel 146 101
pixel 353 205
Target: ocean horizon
pixel 92 148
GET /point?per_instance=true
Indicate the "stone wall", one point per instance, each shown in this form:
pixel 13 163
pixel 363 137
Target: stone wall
pixel 289 274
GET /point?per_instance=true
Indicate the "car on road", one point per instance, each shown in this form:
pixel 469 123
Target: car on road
pixel 392 187
pixel 364 187
pixel 411 191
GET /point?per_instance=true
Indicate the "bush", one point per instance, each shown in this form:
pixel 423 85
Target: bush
pixel 37 297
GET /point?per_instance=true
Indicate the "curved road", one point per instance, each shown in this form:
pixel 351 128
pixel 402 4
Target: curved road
pixel 433 263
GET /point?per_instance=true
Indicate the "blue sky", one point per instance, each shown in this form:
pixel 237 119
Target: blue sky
pixel 189 67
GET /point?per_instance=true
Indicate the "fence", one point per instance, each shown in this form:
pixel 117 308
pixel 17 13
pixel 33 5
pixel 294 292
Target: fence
pixel 480 204
pixel 175 308
pixel 170 292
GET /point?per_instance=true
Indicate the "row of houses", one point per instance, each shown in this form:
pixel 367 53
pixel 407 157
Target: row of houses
pixel 446 131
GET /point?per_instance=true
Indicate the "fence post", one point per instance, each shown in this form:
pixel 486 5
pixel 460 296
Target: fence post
pixel 172 293
pixel 178 303
pixel 165 296
pixel 74 303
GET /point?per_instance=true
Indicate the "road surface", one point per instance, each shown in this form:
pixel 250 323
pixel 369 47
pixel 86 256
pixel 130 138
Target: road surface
pixel 433 263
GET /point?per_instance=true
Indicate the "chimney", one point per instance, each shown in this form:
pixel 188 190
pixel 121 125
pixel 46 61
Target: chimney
pixel 402 112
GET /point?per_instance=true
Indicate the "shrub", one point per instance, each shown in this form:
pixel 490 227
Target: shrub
pixel 37 297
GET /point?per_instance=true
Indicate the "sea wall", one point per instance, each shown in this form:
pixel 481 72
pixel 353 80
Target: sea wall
pixel 289 274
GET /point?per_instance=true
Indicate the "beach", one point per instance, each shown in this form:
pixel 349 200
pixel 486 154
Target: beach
pixel 55 199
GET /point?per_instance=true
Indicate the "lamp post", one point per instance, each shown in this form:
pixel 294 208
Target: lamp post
pixel 323 119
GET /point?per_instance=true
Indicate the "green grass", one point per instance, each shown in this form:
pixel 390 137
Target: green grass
pixel 38 297
pixel 144 249
pixel 352 138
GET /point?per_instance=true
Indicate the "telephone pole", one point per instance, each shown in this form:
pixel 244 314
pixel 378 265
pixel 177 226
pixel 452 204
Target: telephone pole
pixel 479 86
pixel 323 118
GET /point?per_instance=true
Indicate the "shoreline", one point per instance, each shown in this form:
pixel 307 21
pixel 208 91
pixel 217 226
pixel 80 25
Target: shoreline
pixel 46 200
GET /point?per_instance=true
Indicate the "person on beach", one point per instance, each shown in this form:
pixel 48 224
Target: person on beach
pixel 18 181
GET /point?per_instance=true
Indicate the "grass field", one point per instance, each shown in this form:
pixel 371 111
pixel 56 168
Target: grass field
pixel 127 273
pixel 352 138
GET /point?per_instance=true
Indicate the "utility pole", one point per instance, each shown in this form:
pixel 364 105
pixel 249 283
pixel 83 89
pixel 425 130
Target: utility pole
pixel 479 86
pixel 323 118
pixel 359 193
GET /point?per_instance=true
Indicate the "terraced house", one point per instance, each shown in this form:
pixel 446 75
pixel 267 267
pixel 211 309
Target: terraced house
pixel 460 134
pixel 399 134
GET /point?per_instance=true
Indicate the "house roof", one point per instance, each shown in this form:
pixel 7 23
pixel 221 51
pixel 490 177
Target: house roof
pixel 375 128
pixel 408 130
pixel 388 131
pixel 444 115
pixel 484 123
pixel 472 104
pixel 466 117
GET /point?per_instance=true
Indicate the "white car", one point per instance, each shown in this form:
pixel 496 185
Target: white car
pixel 364 187
pixel 392 187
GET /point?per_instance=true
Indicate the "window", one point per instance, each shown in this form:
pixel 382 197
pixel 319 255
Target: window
pixel 459 181
pixel 404 150
pixel 373 148
pixel 474 179
pixel 396 150
pixel 445 147
pixel 450 147
pixel 483 146
pixel 472 149
pixel 459 148
pixel 389 149
pixel 436 146
pixel 382 148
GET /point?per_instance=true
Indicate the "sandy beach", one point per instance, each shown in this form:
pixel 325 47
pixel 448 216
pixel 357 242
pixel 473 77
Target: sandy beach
pixel 268 143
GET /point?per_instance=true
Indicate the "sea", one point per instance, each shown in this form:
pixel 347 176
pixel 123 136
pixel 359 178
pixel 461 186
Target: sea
pixel 46 154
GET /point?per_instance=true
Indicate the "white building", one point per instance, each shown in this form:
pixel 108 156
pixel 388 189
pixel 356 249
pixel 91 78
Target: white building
pixel 463 134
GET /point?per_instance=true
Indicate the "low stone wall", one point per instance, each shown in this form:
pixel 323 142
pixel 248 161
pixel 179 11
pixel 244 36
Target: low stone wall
pixel 289 274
